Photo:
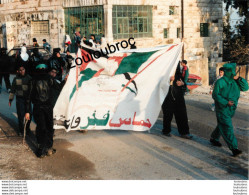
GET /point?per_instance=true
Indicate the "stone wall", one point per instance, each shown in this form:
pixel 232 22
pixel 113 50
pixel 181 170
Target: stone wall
pixel 199 68
pixel 19 15
pixel 196 48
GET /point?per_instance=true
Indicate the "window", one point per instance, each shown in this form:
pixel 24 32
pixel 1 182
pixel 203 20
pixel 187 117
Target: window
pixel 131 21
pixel 204 32
pixel 173 10
pixel 178 33
pixel 40 27
pixel 165 33
pixel 6 1
pixel 86 20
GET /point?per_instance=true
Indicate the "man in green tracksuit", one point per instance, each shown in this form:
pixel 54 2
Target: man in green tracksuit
pixel 226 94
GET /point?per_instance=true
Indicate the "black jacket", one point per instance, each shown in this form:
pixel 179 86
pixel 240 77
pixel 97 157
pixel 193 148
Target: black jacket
pixel 175 91
pixel 35 59
pixel 4 64
pixel 40 91
pixel 58 64
pixel 69 62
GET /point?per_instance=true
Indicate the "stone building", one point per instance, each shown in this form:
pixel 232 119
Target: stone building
pixel 197 23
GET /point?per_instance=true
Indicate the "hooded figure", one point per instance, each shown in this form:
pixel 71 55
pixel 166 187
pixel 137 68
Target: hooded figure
pixel 57 62
pixel 24 54
pixel 226 95
pixel 39 94
pixel 23 60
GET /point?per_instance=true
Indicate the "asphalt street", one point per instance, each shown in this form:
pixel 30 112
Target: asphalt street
pixel 126 154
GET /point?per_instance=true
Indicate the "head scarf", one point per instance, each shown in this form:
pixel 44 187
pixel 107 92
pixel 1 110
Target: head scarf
pixel 24 54
pixel 229 70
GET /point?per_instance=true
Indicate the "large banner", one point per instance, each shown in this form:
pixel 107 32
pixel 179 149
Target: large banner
pixel 124 90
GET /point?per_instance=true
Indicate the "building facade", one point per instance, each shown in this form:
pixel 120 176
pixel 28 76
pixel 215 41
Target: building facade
pixel 196 23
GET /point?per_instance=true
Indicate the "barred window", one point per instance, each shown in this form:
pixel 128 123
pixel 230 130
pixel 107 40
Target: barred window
pixel 204 31
pixel 86 20
pixel 40 27
pixel 131 21
pixel 166 33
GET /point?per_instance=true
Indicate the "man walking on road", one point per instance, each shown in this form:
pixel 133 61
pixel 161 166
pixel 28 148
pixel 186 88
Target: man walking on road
pixel 40 95
pixel 20 89
pixel 226 94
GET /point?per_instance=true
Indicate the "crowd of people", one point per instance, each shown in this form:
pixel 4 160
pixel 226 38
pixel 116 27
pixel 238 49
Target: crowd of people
pixel 36 86
pixel 38 83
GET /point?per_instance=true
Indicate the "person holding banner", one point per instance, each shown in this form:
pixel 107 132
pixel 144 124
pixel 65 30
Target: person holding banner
pixel 174 103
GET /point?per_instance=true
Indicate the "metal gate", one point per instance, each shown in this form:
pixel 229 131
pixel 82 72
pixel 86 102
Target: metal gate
pixel 86 20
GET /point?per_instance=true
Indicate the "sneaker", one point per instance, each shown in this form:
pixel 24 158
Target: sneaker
pixel 166 134
pixel 187 136
pixel 51 151
pixel 236 152
pixel 215 143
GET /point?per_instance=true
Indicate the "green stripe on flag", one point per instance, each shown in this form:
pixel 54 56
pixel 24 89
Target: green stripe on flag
pixel 133 62
pixel 88 74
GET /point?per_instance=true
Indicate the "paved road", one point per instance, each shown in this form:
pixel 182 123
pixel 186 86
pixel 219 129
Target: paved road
pixel 127 154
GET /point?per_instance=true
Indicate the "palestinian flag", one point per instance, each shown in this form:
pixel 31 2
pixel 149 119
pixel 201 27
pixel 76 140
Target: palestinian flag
pixel 124 90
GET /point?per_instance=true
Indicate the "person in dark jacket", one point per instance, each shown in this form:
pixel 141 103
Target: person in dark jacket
pixel 57 86
pixel 20 89
pixel 57 62
pixel 4 69
pixel 35 59
pixel 174 104
pixel 69 61
pixel 40 95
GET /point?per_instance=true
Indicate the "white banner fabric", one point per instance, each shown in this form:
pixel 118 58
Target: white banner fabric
pixel 122 91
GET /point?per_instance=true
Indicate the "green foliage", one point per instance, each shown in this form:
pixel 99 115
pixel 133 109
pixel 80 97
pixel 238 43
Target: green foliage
pixel 236 44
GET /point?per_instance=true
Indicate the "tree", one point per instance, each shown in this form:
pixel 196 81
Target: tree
pixel 236 44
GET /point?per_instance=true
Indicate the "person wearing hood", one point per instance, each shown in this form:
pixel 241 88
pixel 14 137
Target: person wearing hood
pixel 23 59
pixel 57 62
pixel 20 89
pixel 226 94
pixel 40 95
